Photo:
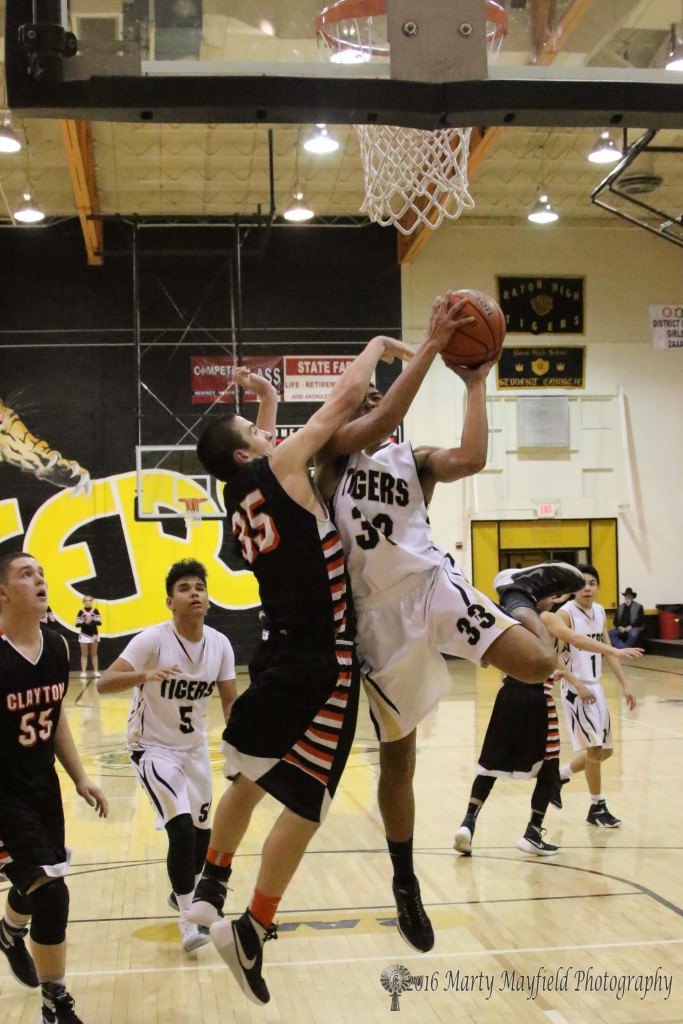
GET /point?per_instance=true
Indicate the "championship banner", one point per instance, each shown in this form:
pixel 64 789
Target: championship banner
pixel 666 326
pixel 542 305
pixel 211 377
pixel 311 378
pixel 542 367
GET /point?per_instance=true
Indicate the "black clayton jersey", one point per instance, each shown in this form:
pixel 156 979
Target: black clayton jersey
pixel 296 557
pixel 30 704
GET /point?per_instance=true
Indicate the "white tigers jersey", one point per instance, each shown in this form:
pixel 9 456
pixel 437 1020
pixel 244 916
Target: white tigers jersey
pixel 585 665
pixel 380 512
pixel 172 713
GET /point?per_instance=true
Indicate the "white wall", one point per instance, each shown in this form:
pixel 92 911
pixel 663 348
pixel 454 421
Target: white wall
pixel 625 269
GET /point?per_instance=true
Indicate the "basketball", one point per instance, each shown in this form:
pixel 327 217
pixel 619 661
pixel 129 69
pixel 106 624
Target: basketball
pixel 476 343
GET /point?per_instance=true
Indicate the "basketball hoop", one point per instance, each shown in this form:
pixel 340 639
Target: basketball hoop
pixel 407 171
pixel 193 512
pixel 355 31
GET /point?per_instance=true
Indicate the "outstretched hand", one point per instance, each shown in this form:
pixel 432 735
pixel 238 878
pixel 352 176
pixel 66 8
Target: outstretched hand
pixel 470 374
pixel 394 349
pixel 627 653
pixel 445 318
pixel 253 382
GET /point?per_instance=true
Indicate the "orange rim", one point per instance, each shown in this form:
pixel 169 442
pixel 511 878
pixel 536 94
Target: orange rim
pixel 345 10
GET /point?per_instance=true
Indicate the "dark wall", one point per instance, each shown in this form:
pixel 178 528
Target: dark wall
pixel 68 351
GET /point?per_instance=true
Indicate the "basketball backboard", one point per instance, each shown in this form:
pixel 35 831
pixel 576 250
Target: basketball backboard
pixel 562 62
pixel 528 76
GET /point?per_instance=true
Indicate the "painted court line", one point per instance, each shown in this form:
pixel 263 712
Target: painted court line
pixel 453 954
pixel 554 1017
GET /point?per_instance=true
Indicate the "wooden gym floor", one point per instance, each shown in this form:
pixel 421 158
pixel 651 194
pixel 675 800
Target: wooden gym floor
pixel 539 940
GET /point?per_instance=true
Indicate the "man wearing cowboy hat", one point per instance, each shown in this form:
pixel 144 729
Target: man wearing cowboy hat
pixel 628 621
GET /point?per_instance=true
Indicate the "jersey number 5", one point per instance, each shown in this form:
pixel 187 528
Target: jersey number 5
pixel 255 530
pixel 30 731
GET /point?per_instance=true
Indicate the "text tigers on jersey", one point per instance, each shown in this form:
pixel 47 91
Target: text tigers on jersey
pixel 376 485
pixel 186 689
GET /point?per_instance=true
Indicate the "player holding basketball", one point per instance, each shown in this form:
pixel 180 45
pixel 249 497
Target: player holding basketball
pixel 413 603
pixel 290 733
pixel 590 725
pixel 173 669
pixel 34 678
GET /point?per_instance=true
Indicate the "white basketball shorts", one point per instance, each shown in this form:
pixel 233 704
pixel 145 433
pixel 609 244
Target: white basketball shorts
pixel 402 634
pixel 589 724
pixel 176 782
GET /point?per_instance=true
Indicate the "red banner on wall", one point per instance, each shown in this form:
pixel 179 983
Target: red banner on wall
pixel 311 378
pixel 211 377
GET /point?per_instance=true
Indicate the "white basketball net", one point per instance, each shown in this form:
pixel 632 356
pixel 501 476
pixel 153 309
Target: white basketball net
pixel 193 512
pixel 411 170
pixel 412 177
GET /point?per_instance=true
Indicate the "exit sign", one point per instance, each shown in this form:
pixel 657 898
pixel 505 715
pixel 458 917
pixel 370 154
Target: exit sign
pixel 547 510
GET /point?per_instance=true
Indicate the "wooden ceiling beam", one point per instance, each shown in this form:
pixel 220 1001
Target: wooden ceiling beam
pixel 482 139
pixel 77 138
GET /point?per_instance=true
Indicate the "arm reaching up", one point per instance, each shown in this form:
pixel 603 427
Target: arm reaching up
pixel 266 394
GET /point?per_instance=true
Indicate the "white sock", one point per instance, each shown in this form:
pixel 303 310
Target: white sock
pixel 565 771
pixel 184 903
pixel 258 927
pixel 596 799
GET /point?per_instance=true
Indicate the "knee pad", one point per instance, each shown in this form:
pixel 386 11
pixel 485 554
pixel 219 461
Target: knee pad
pixel 202 838
pixel 180 861
pixel 180 829
pixel 50 912
pixel 19 903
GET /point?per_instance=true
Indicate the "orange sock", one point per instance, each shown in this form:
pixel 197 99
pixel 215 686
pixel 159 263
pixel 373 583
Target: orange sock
pixel 221 860
pixel 264 908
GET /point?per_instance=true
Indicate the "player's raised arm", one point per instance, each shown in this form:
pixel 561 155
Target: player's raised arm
pixel 443 465
pixel 265 392
pixel 345 397
pixel 567 635
pixel 385 415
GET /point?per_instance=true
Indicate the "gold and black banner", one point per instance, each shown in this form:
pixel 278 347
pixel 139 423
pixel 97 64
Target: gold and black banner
pixel 542 367
pixel 542 305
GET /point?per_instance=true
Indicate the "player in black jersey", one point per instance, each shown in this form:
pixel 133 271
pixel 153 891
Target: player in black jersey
pixel 290 733
pixel 34 676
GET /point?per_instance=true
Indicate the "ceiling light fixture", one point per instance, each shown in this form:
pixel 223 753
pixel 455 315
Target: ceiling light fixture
pixel 605 150
pixel 674 61
pixel 28 211
pixel 321 141
pixel 9 143
pixel 543 211
pixel 298 209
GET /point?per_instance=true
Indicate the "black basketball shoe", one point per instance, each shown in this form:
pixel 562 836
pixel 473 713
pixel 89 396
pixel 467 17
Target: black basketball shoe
pixel 533 842
pixel 207 902
pixel 549 579
pixel 240 944
pixel 556 797
pixel 18 957
pixel 600 816
pixel 61 1011
pixel 412 922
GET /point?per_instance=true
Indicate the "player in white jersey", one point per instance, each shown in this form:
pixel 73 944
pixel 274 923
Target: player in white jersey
pixel 174 669
pixel 589 724
pixel 412 601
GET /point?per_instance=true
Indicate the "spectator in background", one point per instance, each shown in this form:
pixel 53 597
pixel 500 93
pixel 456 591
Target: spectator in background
pixel 628 621
pixel 87 620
